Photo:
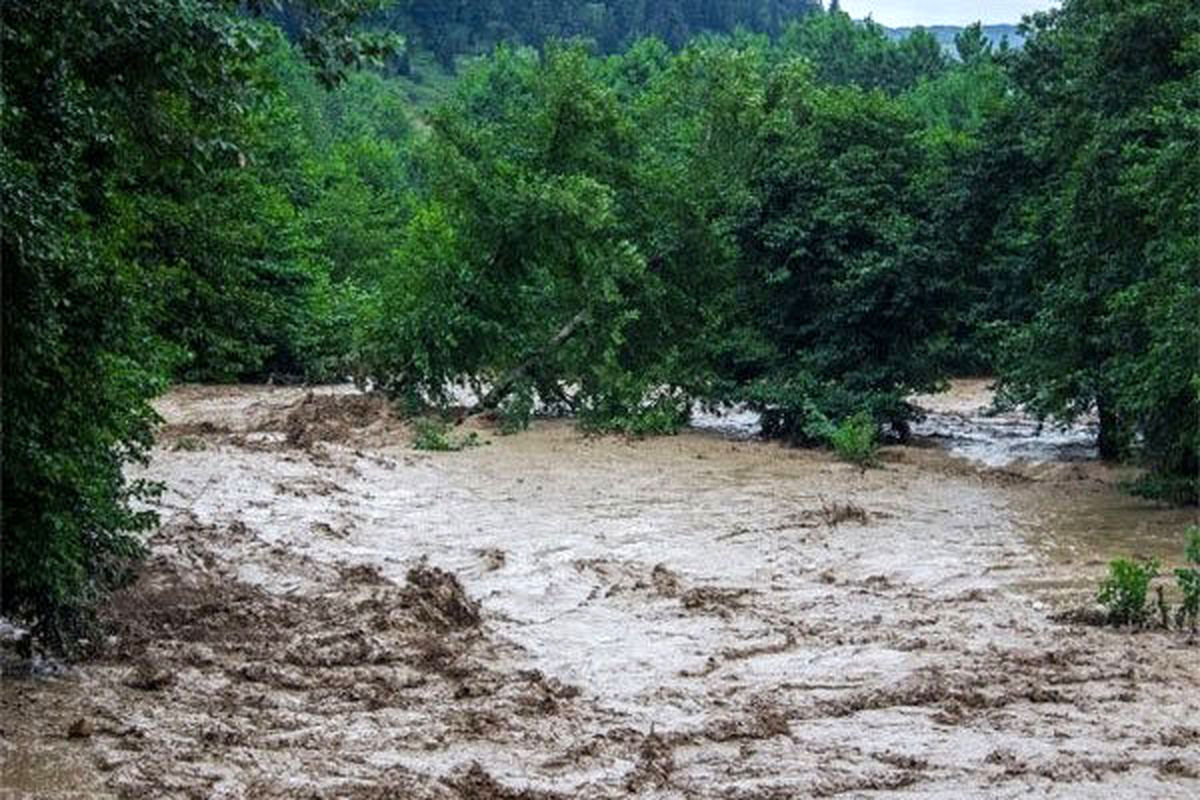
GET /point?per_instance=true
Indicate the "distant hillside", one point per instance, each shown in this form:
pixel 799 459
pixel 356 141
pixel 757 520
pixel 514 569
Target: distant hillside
pixel 945 34
pixel 449 30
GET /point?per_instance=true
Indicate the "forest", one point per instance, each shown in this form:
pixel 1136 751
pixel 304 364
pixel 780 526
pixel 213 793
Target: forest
pixel 620 209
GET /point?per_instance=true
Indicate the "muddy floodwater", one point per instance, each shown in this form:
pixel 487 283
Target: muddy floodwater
pixel 328 613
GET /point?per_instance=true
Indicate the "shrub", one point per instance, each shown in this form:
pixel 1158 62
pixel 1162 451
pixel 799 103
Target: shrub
pixel 1188 579
pixel 855 440
pixel 625 404
pixel 516 411
pixel 434 435
pixel 1123 593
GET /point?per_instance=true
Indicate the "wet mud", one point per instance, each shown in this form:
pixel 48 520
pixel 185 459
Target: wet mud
pixel 327 613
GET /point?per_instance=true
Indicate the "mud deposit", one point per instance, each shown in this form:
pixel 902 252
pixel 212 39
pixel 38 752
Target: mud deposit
pixel 329 614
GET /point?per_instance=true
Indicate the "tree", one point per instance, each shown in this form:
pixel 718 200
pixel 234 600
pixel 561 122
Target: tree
pixel 125 149
pixel 842 288
pixel 971 45
pixel 851 52
pixel 571 241
pixel 530 167
pixel 1115 328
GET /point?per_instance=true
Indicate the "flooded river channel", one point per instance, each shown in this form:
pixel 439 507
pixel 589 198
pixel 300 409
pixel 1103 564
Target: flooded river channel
pixel 328 613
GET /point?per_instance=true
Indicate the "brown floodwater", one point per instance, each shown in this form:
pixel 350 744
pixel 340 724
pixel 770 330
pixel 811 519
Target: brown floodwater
pixel 330 613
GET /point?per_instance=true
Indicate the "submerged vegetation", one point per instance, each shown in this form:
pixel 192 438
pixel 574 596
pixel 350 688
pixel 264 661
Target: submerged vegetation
pixel 1125 591
pixel 855 440
pixel 761 204
pixel 435 435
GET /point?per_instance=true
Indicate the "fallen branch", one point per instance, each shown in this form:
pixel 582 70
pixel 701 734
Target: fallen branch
pixel 506 384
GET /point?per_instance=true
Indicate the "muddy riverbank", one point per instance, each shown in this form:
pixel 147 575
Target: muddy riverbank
pixel 328 613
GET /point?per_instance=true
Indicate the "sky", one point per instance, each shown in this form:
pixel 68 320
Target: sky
pixel 901 13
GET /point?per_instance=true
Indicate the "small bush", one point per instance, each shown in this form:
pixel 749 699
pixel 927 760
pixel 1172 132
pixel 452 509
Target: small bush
pixel 1179 490
pixel 1123 592
pixel 855 440
pixel 1188 578
pixel 515 413
pixel 434 434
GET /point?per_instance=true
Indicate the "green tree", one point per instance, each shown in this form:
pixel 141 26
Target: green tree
pixel 524 245
pixel 840 280
pixel 845 51
pixel 127 133
pixel 566 246
pixel 1115 331
pixel 972 46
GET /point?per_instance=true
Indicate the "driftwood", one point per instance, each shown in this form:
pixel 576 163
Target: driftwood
pixel 506 384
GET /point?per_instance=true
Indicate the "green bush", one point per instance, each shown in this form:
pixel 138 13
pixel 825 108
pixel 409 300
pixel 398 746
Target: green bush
pixel 855 440
pixel 1188 579
pixel 1180 490
pixel 1123 593
pixel 515 413
pixel 434 434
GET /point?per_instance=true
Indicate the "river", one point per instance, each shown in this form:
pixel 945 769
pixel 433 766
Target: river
pixel 329 613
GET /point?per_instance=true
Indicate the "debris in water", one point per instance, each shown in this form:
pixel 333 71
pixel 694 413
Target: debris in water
pixel 437 599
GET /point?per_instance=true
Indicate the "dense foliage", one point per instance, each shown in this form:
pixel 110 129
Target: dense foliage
pixel 148 231
pixel 1115 264
pixel 449 29
pixel 803 215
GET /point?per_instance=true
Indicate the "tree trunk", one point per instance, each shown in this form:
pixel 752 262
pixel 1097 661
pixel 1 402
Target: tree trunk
pixel 1110 440
pixel 502 388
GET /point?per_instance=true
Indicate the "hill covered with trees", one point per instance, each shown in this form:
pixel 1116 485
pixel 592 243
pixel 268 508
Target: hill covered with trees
pixel 449 29
pixel 813 219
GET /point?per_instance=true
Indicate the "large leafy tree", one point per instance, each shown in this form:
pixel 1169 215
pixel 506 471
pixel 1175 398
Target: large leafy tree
pixel 522 259
pixel 1117 329
pixel 575 240
pixel 126 167
pixel 860 53
pixel 841 284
